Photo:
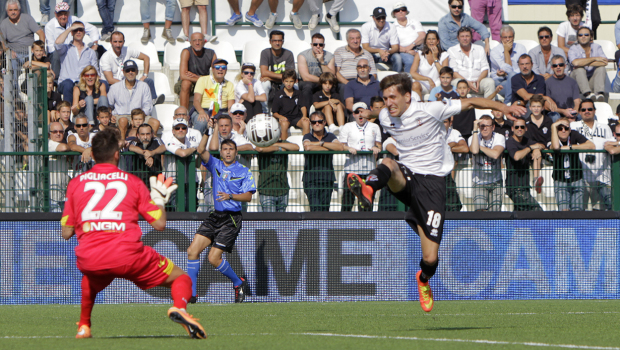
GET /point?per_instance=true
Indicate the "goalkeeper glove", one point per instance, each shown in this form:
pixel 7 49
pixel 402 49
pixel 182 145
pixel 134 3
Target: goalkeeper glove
pixel 161 190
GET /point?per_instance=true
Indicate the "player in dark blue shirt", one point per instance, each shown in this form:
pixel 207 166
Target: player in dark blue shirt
pixel 233 183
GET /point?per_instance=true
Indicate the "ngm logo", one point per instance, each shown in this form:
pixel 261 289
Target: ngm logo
pixel 103 226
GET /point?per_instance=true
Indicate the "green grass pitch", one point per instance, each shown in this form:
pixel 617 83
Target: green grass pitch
pixel 575 324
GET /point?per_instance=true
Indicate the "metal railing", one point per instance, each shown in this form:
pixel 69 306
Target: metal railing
pixel 304 181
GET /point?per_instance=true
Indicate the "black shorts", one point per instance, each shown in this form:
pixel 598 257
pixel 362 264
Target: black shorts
pixel 425 195
pixel 222 228
pixel 294 121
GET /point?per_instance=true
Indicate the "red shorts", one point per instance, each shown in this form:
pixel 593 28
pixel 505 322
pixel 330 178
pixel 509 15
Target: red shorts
pixel 149 270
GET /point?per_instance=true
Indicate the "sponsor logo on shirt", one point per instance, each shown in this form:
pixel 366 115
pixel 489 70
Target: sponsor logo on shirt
pixel 103 226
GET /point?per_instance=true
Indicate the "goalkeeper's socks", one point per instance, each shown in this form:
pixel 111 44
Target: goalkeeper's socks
pixel 227 271
pixel 180 291
pixel 193 267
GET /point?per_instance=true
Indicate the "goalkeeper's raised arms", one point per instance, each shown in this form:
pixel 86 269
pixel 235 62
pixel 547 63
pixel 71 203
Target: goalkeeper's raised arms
pixel 161 189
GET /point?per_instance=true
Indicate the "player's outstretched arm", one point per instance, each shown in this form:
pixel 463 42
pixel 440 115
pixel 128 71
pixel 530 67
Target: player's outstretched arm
pixel 204 154
pixel 483 103
pixel 241 197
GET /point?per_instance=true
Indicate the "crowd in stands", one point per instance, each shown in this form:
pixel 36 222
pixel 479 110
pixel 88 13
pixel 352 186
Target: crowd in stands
pixel 322 91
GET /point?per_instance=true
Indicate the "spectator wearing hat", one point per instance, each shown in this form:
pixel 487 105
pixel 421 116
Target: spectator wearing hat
pixel 112 64
pixel 363 88
pixel 74 57
pixel 249 91
pixel 196 62
pixel 450 24
pixel 410 34
pixel 380 38
pixel 238 113
pixel 213 94
pixel 311 64
pixel 58 25
pixel 128 94
pixel 359 136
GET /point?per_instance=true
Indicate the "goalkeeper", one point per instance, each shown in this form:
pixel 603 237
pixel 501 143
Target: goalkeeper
pixel 102 211
pixel 232 183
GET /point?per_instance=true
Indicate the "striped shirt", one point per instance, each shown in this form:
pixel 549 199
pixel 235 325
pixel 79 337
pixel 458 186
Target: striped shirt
pixel 72 63
pixel 123 100
pixel 346 60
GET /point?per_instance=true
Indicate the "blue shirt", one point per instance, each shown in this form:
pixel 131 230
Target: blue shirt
pixel 72 63
pixel 536 86
pixel 232 179
pixel 361 92
pixel 577 51
pixel 498 63
pixel 448 29
pixel 617 32
pixel 449 94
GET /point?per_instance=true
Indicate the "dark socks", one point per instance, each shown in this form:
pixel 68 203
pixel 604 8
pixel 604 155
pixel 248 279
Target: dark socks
pixel 427 270
pixel 382 175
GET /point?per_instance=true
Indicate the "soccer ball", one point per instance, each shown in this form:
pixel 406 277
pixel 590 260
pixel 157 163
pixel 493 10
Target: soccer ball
pixel 262 130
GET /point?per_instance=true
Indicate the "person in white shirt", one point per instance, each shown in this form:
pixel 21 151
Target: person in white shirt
pixel 428 62
pixel 359 135
pixel 469 62
pixel 418 179
pixel 487 147
pixel 410 34
pixel 504 61
pixel 380 38
pixel 81 141
pixel 457 145
pixel 58 166
pixel 567 31
pixel 249 91
pixel 596 166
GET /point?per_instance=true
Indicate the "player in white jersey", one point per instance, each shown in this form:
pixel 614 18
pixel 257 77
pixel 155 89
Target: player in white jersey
pixel 419 178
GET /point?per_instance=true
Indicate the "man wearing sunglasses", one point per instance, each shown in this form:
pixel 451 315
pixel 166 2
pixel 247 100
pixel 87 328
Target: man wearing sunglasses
pixel 81 141
pixel 596 166
pixel 449 26
pixel 311 64
pixel 380 38
pixel 589 62
pixel 562 89
pixel 213 95
pixel 58 167
pixel 521 153
pixel 74 57
pixel 542 55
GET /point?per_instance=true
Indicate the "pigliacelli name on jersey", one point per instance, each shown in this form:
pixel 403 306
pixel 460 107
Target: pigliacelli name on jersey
pixel 97 176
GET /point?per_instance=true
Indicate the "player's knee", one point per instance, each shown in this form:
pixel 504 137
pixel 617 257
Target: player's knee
pixel 390 163
pixel 192 253
pixel 430 259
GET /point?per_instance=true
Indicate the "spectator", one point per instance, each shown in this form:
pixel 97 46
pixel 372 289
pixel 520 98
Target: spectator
pixel 542 55
pixel 596 167
pixel 318 178
pixel 387 201
pixel 410 35
pixel 58 167
pixel 528 84
pixel 567 171
pixel 213 94
pixel 521 153
pixel 64 118
pixel 493 11
pixel 504 63
pixel 24 8
pixel 487 148
pixel 38 58
pixel 273 186
pixel 311 64
pixel 129 94
pixel 274 61
pixel 538 124
pixel 376 105
pixel 74 57
pixel 502 125
pixel 567 31
pixel 53 99
pixel 59 25
pixel 458 145
pixel 346 58
pixel 55 143
pixel 615 85
pixel 328 102
pixel 428 62
pixel 145 15
pixel 223 128
pixel 196 62
pixel 192 135
pixel 81 141
pixel 137 119
pixel 613 147
pixel 451 24
pixel 562 89
pixel 363 88
pixel 148 149
pixel 592 15
pixel 106 12
pixel 104 119
pixel 203 19
pixel 249 91
pixel 88 93
pixel 445 89
pixel 330 17
pixel 470 63
pixel 113 61
pixel 18 30
pixel 617 35
pixel 288 105
pixel 589 62
pixel 464 121
pixel 359 135
pixel 238 113
pixel 380 38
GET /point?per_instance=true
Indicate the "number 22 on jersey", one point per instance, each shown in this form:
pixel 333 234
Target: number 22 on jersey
pixel 108 212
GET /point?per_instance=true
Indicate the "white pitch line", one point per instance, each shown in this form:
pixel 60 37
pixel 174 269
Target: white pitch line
pixel 479 341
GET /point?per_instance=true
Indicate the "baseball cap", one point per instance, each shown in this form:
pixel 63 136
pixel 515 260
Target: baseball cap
pixel 130 64
pixel 179 121
pixel 397 6
pixel 359 105
pixel 238 107
pixel 220 60
pixel 62 6
pixel 379 12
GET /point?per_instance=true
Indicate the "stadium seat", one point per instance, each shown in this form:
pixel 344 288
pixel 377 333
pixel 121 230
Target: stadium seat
pixel 296 47
pixel 603 112
pixel 610 51
pixel 150 50
pixel 492 43
pixel 529 44
pixel 165 114
pixel 251 53
pixel 481 112
pixel 225 50
pixel 384 73
pixel 162 85
pixel 332 44
pixel 172 60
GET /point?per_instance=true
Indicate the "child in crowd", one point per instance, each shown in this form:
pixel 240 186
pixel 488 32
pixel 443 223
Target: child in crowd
pixel 53 98
pixel 446 74
pixel 137 119
pixel 328 101
pixel 288 106
pixel 39 57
